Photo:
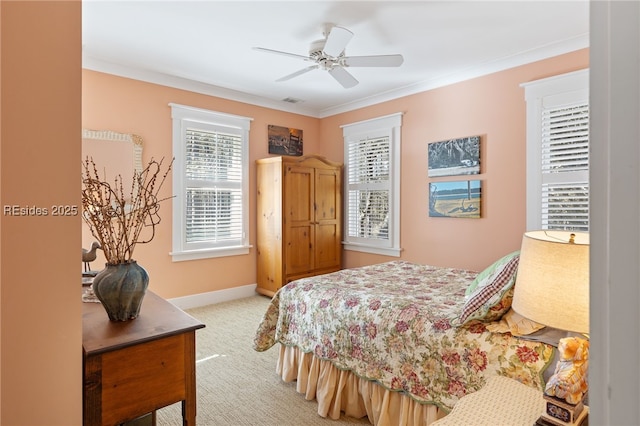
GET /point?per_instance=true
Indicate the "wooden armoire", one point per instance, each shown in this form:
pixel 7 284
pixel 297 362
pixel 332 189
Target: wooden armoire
pixel 299 219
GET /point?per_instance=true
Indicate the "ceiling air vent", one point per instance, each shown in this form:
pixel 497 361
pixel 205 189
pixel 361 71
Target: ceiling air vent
pixel 292 100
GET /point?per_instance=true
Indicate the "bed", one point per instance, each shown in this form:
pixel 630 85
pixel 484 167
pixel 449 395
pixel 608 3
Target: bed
pixel 398 342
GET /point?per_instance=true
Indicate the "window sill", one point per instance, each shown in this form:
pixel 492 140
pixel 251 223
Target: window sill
pixel 209 253
pixel 386 251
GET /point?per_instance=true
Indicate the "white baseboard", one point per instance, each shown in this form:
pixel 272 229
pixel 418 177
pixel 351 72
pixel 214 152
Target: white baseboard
pixel 211 297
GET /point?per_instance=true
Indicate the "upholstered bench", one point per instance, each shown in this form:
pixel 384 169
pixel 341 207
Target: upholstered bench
pixel 502 401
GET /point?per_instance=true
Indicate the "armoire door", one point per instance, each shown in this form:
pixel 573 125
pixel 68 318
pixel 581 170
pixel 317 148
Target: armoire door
pixel 299 219
pixel 328 232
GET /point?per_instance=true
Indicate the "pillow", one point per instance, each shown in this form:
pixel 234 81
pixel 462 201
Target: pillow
pixel 491 298
pixel 498 310
pixel 514 323
pixel 490 270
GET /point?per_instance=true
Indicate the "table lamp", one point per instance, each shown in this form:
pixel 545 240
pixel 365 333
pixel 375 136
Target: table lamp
pixel 552 288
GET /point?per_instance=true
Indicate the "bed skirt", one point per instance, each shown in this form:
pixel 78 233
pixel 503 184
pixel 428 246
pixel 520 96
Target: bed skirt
pixel 342 391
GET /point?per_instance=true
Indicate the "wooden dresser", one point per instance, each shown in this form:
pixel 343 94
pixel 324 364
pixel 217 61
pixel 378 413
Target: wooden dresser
pixel 299 219
pixel 135 367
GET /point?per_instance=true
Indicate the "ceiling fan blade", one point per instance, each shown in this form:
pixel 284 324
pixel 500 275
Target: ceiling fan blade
pixel 297 73
pixel 373 61
pixel 278 52
pixel 343 77
pixel 336 41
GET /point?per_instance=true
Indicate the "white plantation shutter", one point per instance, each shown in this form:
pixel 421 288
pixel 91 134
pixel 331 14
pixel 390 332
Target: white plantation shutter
pixel 565 168
pixel 558 152
pixel 368 187
pixel 210 184
pixel 213 173
pixel 372 207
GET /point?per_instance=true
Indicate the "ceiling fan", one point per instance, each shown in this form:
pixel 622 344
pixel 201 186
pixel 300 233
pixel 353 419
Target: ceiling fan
pixel 329 55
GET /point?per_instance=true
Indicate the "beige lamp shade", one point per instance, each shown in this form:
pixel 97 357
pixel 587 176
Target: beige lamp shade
pixel 552 284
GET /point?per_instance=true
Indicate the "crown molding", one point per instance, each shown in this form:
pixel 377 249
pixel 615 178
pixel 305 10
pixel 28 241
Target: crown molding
pixel 515 60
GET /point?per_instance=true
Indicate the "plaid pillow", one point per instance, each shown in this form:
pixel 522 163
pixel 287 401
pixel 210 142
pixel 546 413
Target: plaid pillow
pixel 490 270
pixel 492 297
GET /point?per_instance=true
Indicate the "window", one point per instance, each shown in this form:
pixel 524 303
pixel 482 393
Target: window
pixel 210 184
pixel 558 152
pixel 372 185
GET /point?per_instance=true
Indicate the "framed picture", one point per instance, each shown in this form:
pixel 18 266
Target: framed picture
pixel 454 157
pixel 284 140
pixel 455 199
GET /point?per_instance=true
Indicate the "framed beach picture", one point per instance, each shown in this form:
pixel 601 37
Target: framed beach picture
pixel 454 157
pixel 455 199
pixel 284 140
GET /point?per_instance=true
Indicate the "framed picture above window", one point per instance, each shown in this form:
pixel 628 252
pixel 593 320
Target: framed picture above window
pixel 455 199
pixel 454 157
pixel 284 140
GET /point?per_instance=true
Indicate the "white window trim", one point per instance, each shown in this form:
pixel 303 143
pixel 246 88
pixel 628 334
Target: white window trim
pixel 538 94
pixel 178 114
pixel 387 125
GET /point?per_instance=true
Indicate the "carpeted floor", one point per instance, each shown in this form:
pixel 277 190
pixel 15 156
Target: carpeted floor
pixel 236 385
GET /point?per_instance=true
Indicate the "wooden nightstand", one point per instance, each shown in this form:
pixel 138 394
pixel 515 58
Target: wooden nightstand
pixel 502 401
pixel 134 367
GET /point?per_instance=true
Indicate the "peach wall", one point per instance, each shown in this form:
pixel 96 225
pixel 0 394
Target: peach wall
pixel 493 107
pixel 130 106
pixel 40 305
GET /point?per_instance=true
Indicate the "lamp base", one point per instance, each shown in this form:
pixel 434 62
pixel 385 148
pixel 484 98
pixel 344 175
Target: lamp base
pixel 561 411
pixel 582 419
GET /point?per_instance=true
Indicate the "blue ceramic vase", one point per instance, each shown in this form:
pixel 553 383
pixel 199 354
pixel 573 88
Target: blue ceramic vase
pixel 121 289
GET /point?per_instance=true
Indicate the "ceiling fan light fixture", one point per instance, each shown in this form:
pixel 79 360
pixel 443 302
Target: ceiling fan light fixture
pixel 329 55
pixel 315 49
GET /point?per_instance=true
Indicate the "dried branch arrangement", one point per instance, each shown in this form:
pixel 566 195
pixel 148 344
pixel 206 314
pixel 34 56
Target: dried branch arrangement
pixel 116 220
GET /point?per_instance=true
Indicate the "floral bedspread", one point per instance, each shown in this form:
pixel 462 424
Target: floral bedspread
pixel 391 323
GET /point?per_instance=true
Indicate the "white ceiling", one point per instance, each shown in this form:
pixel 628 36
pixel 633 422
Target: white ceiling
pixel 206 46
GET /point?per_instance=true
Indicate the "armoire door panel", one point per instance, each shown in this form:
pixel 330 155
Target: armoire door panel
pixel 328 245
pixel 299 249
pixel 327 192
pixel 298 194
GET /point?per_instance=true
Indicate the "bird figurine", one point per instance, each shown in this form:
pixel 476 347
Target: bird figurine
pixel 89 255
